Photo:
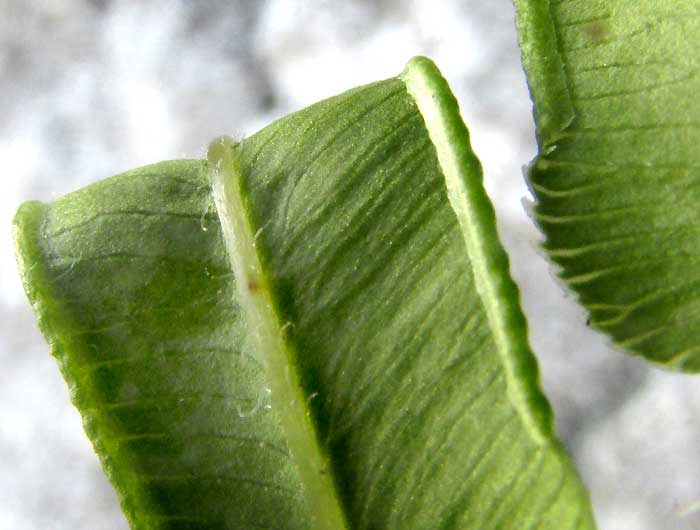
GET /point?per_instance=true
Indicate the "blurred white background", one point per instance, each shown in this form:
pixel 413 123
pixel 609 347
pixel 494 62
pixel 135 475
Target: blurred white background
pixel 90 88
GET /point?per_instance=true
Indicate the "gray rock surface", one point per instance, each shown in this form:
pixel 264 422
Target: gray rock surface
pixel 89 88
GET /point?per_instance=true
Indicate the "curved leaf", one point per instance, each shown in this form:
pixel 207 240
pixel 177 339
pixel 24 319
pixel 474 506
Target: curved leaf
pixel 616 180
pixel 370 367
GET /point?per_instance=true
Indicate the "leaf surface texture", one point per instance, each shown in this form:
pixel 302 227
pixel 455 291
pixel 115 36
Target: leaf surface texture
pixel 614 84
pixel 410 359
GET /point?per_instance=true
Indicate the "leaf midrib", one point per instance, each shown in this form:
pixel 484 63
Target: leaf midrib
pixel 268 335
pixel 547 80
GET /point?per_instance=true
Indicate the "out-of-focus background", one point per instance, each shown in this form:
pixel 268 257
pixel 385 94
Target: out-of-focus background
pixel 89 88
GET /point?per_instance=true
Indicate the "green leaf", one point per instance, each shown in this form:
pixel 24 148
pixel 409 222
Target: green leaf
pixel 368 370
pixel 616 179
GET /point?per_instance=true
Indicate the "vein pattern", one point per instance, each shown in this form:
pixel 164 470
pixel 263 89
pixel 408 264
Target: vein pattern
pixel 624 167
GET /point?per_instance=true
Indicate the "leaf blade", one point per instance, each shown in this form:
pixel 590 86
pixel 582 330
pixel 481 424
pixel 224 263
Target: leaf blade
pixel 616 186
pixel 349 209
pixel 151 379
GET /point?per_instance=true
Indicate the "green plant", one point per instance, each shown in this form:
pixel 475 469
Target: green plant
pixel 369 366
